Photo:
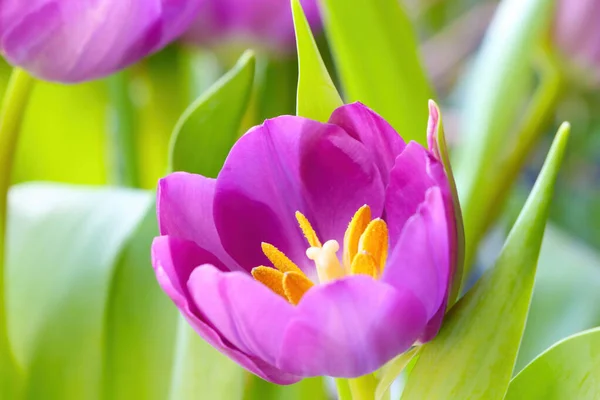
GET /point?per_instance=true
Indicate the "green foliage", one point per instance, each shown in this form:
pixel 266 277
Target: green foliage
pixel 474 354
pixel 65 245
pixel 567 370
pixel 317 96
pixel 209 127
pixel 494 97
pixel 375 50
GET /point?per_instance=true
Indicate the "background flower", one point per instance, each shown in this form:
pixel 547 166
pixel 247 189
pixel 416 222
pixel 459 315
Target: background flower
pixel 577 33
pixel 264 23
pixel 71 40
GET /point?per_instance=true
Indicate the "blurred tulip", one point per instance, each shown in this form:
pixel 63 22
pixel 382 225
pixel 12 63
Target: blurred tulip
pixel 267 24
pixel 344 307
pixel 75 40
pixel 577 34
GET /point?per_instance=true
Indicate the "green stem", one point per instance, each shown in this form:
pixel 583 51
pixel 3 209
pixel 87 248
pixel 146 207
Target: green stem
pixel 343 389
pixel 11 116
pixel 515 155
pixel 122 145
pixel 363 387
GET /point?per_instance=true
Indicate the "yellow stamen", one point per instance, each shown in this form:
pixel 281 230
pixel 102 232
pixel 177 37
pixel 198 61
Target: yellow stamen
pixel 279 260
pixel 374 241
pixel 364 264
pixel 271 278
pixel 326 261
pixel 307 230
pixel 295 285
pixel 357 226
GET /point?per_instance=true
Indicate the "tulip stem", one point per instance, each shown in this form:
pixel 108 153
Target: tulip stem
pixel 122 144
pixel 537 117
pixel 11 115
pixel 363 387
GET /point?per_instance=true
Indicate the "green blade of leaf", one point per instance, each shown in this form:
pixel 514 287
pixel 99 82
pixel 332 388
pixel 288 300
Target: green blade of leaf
pixel 317 96
pixel 474 354
pixel 392 370
pixel 375 49
pixel 209 127
pixel 567 370
pixel 65 242
pixel 140 325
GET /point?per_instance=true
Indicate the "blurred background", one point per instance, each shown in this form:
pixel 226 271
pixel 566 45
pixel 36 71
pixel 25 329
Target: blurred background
pixel 69 131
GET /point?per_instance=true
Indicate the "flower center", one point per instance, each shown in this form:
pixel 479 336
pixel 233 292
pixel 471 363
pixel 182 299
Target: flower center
pixel 365 252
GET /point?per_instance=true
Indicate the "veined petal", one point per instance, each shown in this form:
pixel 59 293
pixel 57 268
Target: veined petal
pixel 421 257
pixel 291 164
pixel 184 205
pixel 373 131
pixel 350 327
pixel 173 260
pixel 415 171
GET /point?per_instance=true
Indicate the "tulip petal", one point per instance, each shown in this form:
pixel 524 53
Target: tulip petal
pixel 350 327
pixel 378 136
pixel 291 164
pixel 173 259
pixel 245 312
pixel 421 258
pixel 185 210
pixel 415 171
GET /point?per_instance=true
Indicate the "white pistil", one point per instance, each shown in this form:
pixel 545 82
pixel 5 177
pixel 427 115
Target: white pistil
pixel 327 262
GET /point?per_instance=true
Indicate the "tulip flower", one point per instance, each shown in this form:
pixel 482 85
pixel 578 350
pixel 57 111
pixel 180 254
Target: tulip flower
pixel 577 34
pixel 71 41
pixel 265 23
pixel 321 249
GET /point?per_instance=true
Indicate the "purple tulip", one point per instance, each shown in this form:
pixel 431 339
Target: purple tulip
pixel 320 249
pixel 266 23
pixel 75 40
pixel 577 34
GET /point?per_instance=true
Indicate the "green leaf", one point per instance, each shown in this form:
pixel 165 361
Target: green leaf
pixel 566 294
pixel 65 243
pixel 494 98
pixel 141 323
pixel 567 370
pixel 392 370
pixel 375 49
pixel 209 127
pixel 317 95
pixel 201 371
pixel 474 354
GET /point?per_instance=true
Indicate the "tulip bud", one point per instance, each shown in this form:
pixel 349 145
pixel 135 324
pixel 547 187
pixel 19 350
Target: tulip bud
pixel 577 35
pixel 267 24
pixel 72 41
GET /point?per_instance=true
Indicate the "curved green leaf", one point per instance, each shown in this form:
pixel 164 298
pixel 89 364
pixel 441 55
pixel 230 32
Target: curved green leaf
pixel 568 370
pixel 65 242
pixel 209 127
pixel 474 354
pixel 140 324
pixel 375 49
pixel 317 95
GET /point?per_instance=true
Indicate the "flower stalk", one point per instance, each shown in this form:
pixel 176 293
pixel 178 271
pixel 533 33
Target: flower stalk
pixel 123 128
pixel 11 115
pixel 363 387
